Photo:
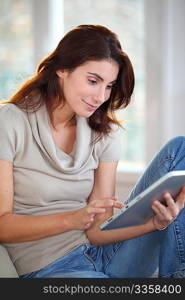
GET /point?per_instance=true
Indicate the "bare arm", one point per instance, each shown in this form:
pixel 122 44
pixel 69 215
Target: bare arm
pixel 21 228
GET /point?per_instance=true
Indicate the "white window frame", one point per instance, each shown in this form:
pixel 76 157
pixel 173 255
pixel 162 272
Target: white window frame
pixel 165 64
pixel 48 26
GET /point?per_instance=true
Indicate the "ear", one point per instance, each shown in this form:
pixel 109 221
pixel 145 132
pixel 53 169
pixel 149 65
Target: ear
pixel 60 73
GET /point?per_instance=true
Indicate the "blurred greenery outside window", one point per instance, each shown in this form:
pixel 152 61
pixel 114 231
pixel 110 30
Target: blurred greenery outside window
pixel 125 17
pixel 16 47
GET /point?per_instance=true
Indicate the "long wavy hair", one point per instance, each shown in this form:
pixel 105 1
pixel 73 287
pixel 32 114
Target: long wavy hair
pixel 81 44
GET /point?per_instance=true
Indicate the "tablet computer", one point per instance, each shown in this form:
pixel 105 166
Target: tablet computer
pixel 139 209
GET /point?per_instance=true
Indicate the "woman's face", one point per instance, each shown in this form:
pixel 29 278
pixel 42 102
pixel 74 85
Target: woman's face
pixel 88 86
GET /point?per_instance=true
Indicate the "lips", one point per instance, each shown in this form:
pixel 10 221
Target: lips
pixel 90 105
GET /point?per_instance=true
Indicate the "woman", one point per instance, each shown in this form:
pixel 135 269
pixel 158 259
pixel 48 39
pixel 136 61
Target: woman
pixel 60 146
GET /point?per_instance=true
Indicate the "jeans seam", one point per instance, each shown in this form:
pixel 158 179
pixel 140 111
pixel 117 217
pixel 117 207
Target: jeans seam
pixel 177 154
pixel 180 248
pixel 159 166
pixel 171 275
pixel 169 159
pixel 89 258
pixel 111 256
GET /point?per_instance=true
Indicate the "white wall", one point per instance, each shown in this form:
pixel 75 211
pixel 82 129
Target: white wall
pixel 165 84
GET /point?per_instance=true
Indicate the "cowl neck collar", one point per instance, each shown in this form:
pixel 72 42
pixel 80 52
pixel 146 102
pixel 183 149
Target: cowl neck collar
pixel 41 130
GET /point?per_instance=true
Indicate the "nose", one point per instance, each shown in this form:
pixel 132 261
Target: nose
pixel 100 97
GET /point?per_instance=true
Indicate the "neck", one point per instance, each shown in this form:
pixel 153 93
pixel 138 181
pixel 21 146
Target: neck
pixel 63 117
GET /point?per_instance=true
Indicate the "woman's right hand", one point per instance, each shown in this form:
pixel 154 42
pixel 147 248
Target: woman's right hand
pixel 84 217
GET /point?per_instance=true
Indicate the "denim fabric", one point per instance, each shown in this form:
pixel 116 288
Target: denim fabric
pixel 140 256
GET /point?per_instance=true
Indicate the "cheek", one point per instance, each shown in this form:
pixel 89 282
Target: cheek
pixel 77 90
pixel 69 91
pixel 83 91
pixel 107 95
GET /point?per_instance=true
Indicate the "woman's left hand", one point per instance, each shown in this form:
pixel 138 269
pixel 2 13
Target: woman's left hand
pixel 166 213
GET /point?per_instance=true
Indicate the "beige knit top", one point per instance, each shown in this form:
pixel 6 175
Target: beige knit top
pixel 47 180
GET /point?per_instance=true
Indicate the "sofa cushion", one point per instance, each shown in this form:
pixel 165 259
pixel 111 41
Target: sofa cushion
pixel 7 268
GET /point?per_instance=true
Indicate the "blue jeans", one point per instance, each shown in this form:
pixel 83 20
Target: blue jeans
pixel 140 256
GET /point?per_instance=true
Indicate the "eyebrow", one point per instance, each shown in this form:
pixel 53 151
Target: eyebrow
pixel 98 76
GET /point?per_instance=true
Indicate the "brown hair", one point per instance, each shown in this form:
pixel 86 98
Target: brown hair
pixel 79 45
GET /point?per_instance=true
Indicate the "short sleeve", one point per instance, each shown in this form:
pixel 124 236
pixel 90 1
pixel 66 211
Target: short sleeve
pixel 7 133
pixel 112 146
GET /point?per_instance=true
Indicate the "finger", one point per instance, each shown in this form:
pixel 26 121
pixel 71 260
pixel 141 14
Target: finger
pixel 162 211
pixel 118 204
pixel 95 210
pixel 172 207
pixel 105 203
pixel 180 199
pixel 87 225
pixel 157 206
pixel 115 203
pixel 157 211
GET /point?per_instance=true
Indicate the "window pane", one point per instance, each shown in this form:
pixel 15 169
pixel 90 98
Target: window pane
pixel 126 18
pixel 16 48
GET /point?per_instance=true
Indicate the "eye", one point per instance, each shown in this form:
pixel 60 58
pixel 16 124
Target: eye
pixel 109 87
pixel 92 81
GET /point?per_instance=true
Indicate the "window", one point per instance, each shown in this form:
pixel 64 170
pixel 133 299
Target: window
pixel 16 48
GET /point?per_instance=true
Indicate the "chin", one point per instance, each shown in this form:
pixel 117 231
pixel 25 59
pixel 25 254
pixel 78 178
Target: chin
pixel 85 114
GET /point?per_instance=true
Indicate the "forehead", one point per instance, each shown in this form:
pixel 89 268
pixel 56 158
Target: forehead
pixel 106 69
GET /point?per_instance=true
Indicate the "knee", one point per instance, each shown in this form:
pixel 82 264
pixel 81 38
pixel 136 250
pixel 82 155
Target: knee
pixel 174 149
pixel 177 141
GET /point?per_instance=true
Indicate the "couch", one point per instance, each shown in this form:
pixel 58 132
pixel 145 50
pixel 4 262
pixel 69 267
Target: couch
pixel 7 269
